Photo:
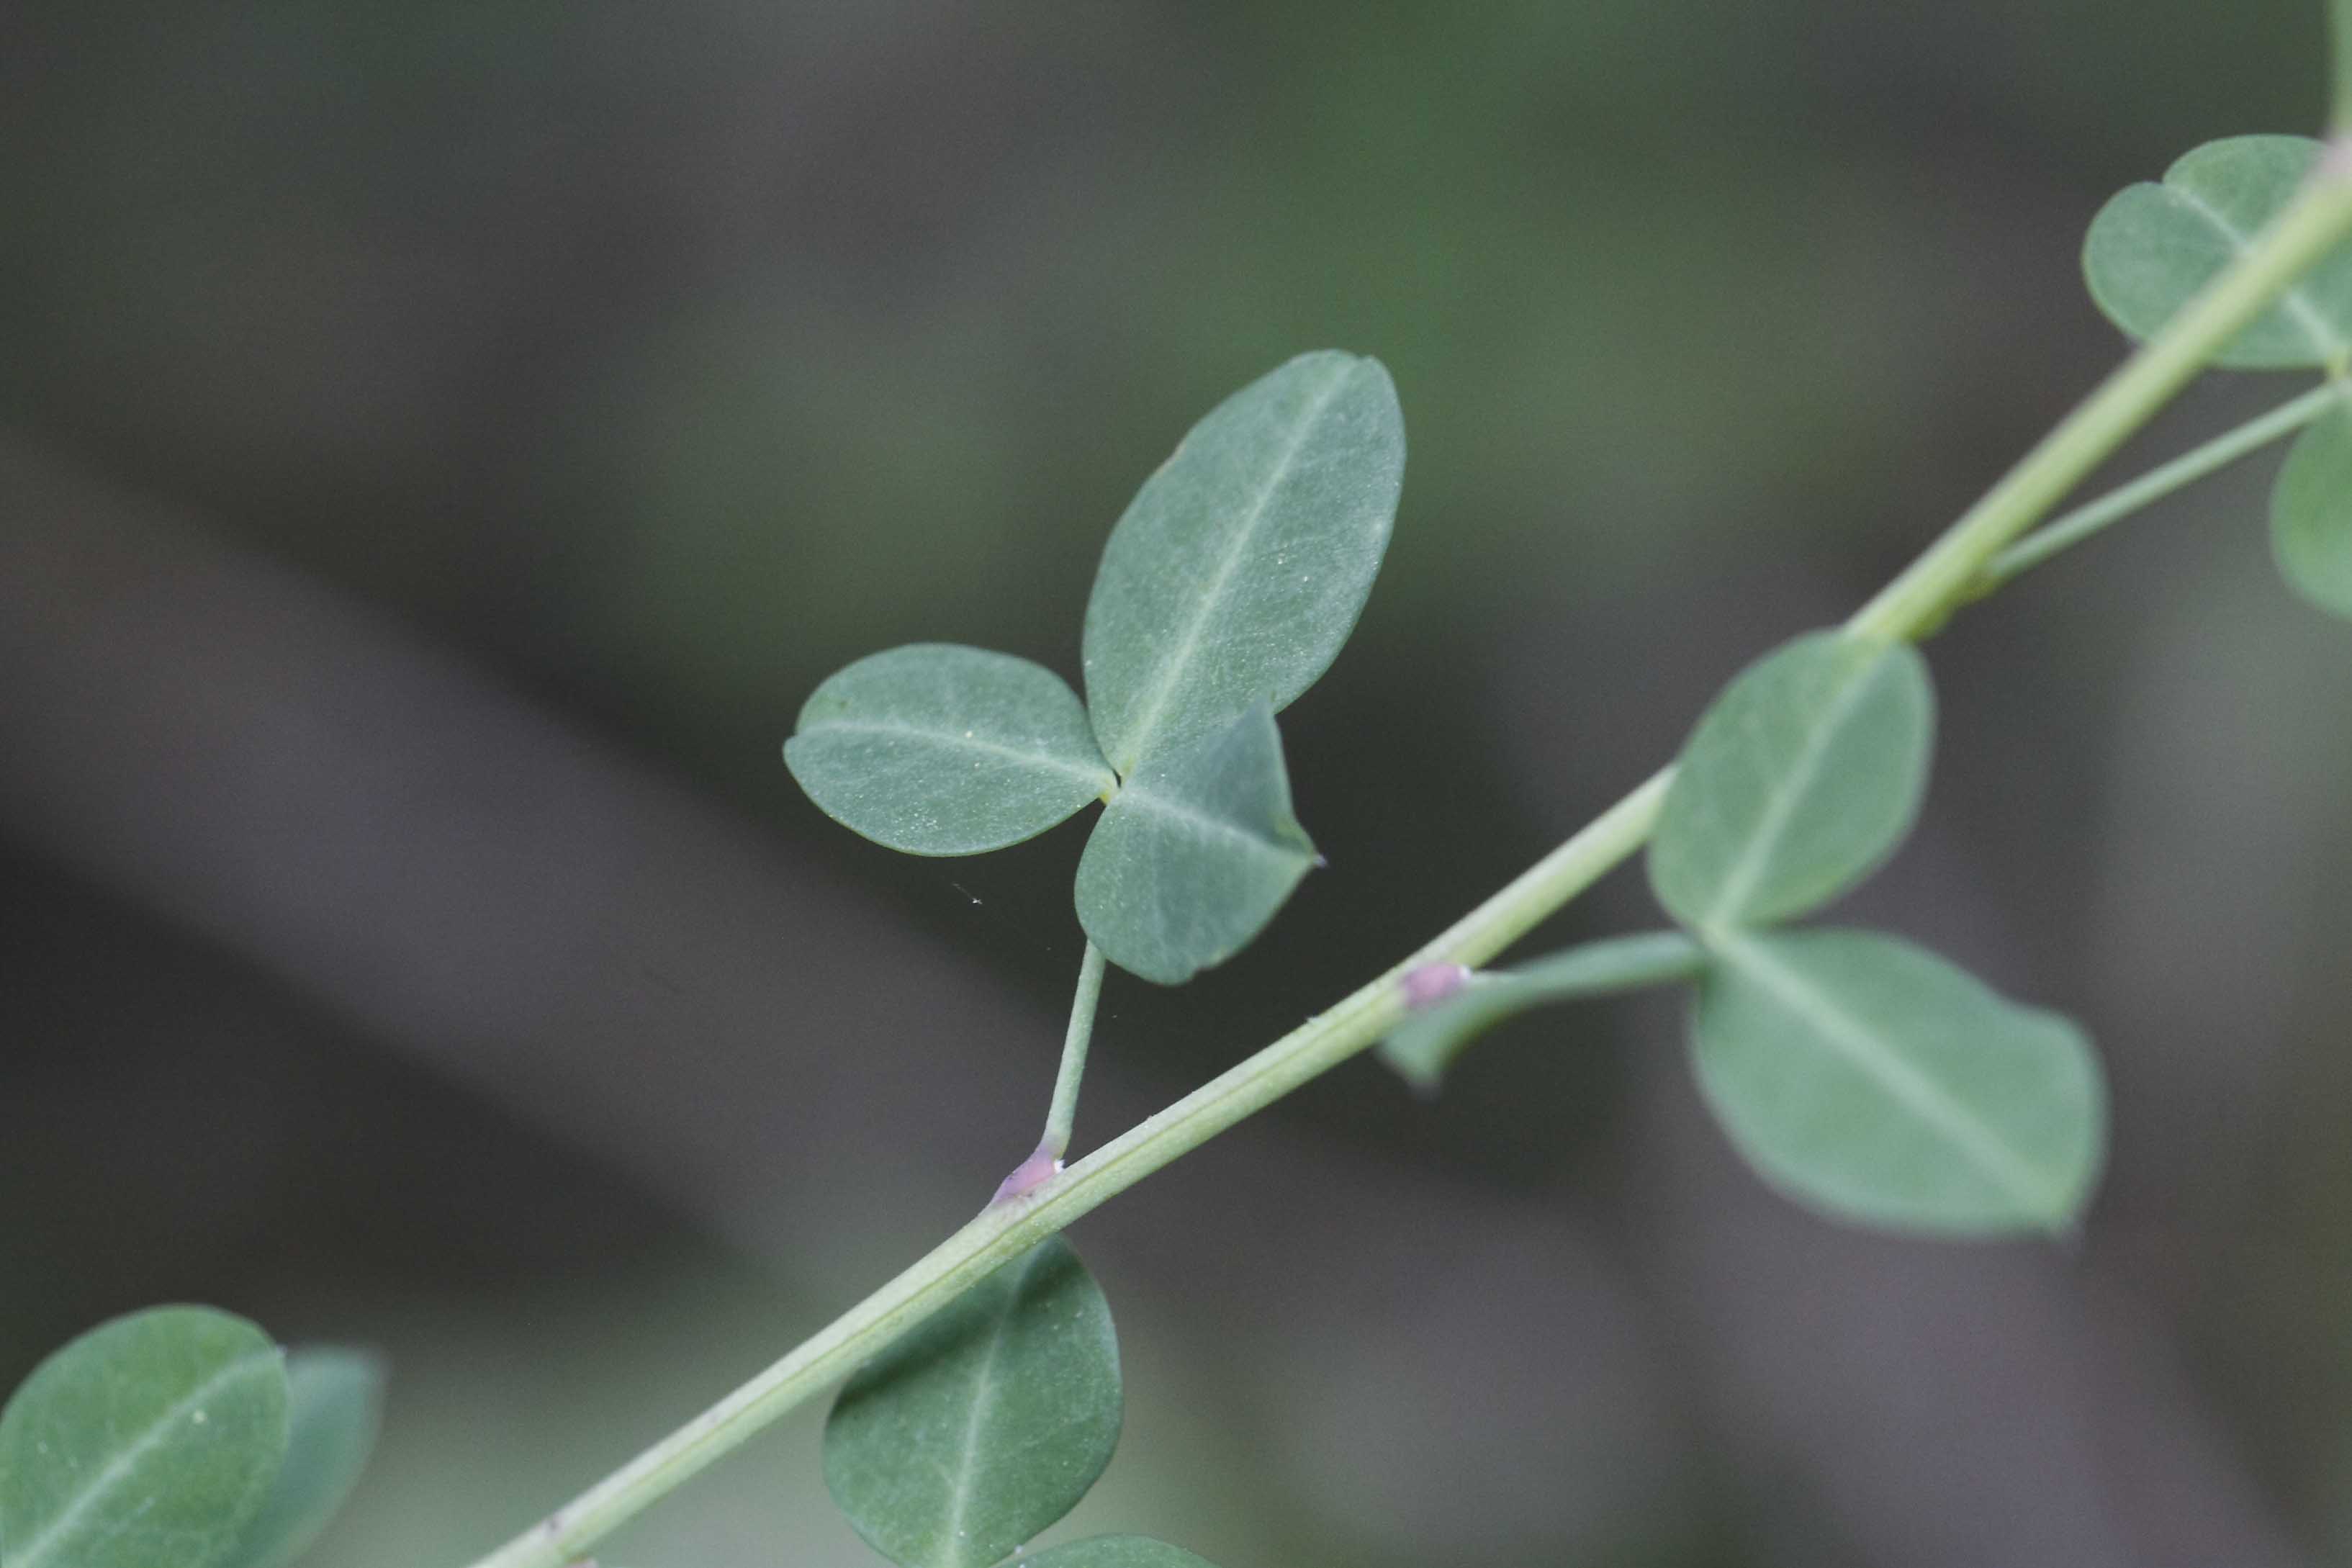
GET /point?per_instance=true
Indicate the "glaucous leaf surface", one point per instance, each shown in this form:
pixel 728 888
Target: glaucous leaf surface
pixel 1801 778
pixel 2153 247
pixel 2311 513
pixel 147 1442
pixel 1113 1552
pixel 937 749
pixel 1876 1082
pixel 1194 854
pixel 1241 566
pixel 1424 1046
pixel 334 1405
pixel 986 1424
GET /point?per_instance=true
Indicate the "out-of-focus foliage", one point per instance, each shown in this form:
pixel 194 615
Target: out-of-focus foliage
pixel 335 1404
pixel 2311 514
pixel 1112 1551
pixel 2154 245
pixel 147 1442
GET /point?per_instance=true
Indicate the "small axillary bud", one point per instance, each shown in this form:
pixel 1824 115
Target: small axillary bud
pixel 1431 983
pixel 1027 1177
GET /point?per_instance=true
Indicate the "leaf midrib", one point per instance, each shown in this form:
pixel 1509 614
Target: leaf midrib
pixel 131 1456
pixel 1914 1090
pixel 959 1489
pixel 1176 665
pixel 1780 806
pixel 957 739
pixel 1168 806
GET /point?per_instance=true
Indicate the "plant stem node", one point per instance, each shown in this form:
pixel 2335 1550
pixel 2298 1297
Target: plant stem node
pixel 1027 1177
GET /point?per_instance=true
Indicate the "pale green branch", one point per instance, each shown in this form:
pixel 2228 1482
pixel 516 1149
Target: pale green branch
pixel 2065 532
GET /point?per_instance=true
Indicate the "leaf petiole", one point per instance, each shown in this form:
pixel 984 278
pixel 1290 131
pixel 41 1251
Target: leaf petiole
pixel 2314 225
pixel 2065 532
pixel 1064 1109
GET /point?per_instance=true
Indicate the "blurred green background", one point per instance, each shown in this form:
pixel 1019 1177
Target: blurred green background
pixel 444 443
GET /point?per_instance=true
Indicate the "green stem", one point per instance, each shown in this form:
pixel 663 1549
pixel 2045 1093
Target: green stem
pixel 1914 602
pixel 2311 226
pixel 2065 532
pixel 1006 1229
pixel 1064 1109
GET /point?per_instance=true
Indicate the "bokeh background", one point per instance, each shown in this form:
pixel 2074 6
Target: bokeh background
pixel 442 443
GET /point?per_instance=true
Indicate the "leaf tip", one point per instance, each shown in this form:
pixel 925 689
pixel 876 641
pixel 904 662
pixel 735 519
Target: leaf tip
pixel 1422 1073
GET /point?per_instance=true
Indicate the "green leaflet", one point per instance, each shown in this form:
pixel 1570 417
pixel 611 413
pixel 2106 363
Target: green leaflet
pixel 1113 1552
pixel 2153 247
pixel 941 750
pixel 1425 1045
pixel 1857 1073
pixel 335 1401
pixel 1228 587
pixel 1800 779
pixel 147 1442
pixel 1240 567
pixel 1878 1083
pixel 1194 854
pixel 985 1425
pixel 2311 513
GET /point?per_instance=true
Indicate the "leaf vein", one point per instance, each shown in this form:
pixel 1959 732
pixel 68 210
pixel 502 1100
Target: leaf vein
pixel 1177 811
pixel 1780 805
pixel 960 741
pixel 1171 670
pixel 120 1467
pixel 983 1395
pixel 1914 1090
